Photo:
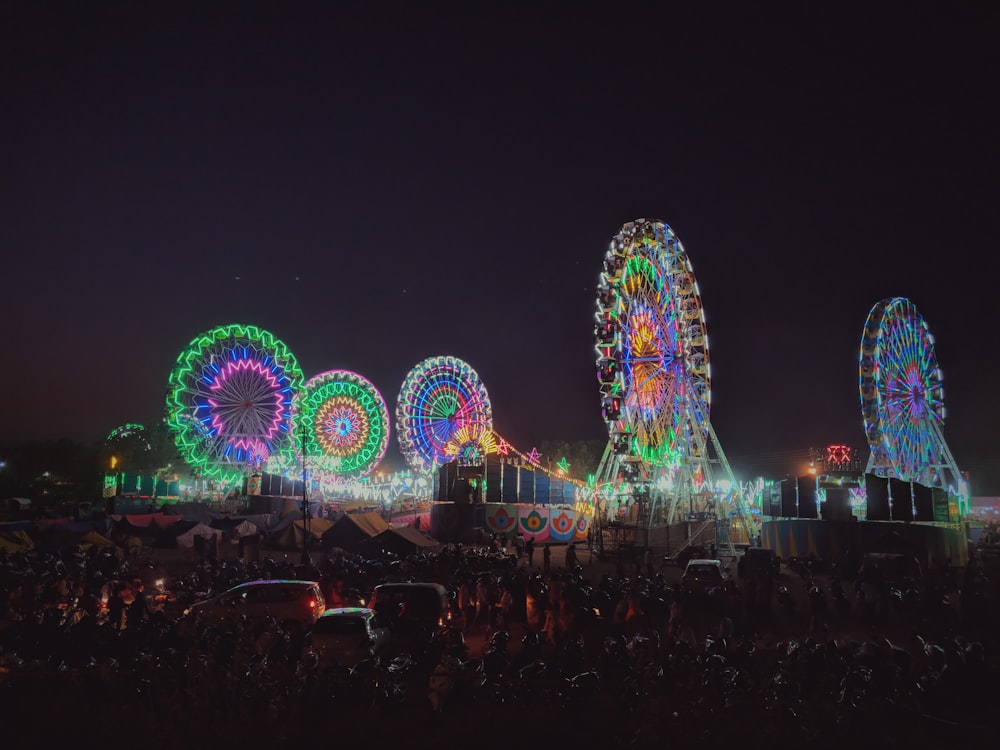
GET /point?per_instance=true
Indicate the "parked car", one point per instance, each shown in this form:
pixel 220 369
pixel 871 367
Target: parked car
pixel 293 604
pixel 346 635
pixel 414 612
pixel 702 574
pixel 427 603
pixel 690 552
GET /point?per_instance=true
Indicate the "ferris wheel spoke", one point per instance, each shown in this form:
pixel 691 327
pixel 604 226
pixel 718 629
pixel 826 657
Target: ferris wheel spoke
pixel 442 431
pixel 257 389
pixel 653 337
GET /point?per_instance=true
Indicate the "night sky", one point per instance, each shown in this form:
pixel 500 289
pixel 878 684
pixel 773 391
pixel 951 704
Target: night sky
pixel 379 183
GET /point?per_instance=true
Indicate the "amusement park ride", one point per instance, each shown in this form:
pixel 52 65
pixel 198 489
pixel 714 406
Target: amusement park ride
pixel 663 457
pixel 902 401
pixel 238 405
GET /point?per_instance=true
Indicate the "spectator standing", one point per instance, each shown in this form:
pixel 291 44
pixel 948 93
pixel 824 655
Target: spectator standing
pixel 485 601
pixel 518 546
pixel 137 612
pixel 529 550
pixel 467 602
pixel 116 606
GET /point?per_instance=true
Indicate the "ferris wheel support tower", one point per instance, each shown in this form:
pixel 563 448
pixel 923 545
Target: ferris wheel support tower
pixel 699 475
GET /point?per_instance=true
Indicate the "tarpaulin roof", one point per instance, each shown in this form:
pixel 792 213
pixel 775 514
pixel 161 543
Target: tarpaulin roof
pixel 293 534
pixel 192 511
pixel 145 520
pixel 92 537
pixel 371 523
pixel 204 531
pixel 244 528
pixel 16 541
pixel 414 536
pixel 404 540
pixel 353 528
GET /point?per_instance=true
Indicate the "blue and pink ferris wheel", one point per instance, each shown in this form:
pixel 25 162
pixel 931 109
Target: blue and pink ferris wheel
pixel 443 413
pixel 902 397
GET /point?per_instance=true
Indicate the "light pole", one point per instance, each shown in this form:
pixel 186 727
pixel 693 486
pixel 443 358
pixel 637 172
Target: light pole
pixel 305 502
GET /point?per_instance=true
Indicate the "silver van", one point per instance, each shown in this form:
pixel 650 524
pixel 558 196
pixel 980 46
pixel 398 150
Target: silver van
pixel 293 604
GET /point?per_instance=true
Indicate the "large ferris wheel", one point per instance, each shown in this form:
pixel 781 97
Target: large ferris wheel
pixel 902 398
pixel 655 380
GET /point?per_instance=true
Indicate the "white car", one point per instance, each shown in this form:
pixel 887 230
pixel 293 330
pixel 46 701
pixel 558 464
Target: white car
pixel 346 635
pixel 702 575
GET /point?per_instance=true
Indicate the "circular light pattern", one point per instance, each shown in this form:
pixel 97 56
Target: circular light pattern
pixel 229 402
pixel 126 431
pixel 443 413
pixel 902 399
pixel 652 350
pixel 345 423
pixel 130 447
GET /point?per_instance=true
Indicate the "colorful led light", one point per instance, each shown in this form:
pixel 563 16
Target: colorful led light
pixel 902 399
pixel 345 424
pixel 229 401
pixel 656 375
pixel 443 411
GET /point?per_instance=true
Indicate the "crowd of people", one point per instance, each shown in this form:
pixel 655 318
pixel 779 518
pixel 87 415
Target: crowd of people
pixel 95 630
pixel 991 534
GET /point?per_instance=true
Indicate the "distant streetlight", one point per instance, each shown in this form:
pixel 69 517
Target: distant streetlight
pixel 305 502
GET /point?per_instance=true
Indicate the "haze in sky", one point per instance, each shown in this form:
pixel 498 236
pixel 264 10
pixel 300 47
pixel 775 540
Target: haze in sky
pixel 380 183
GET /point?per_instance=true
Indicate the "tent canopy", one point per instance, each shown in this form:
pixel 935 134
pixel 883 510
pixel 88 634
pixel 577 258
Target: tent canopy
pixel 244 528
pixel 353 528
pixel 16 541
pixel 402 541
pixel 293 535
pixel 198 530
pixel 92 538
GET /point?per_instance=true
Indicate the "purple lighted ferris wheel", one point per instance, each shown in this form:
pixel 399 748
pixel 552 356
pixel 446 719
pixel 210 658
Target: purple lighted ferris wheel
pixel 229 400
pixel 902 398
